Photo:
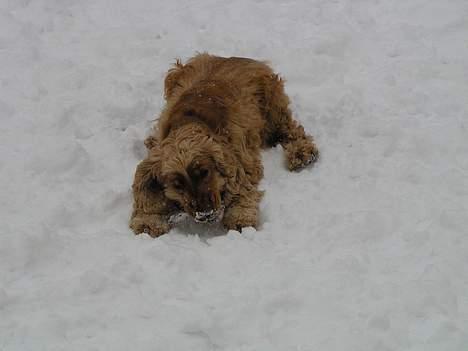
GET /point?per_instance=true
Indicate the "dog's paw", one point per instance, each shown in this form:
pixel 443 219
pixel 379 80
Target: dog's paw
pixel 301 154
pixel 151 225
pixel 237 221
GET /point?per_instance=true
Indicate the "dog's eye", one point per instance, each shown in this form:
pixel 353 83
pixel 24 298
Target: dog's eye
pixel 190 113
pixel 177 184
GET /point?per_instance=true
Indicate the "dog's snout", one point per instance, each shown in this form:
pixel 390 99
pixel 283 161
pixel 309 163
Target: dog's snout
pixel 204 203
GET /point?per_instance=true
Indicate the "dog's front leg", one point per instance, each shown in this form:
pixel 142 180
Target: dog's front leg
pixel 152 224
pixel 243 212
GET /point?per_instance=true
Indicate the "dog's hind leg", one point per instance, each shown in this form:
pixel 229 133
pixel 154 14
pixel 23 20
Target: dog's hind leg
pixel 299 147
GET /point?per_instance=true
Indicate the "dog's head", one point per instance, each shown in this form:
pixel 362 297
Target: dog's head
pixel 189 167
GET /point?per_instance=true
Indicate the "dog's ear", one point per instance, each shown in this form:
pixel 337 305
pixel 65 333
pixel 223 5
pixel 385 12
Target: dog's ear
pixel 224 164
pixel 147 176
pixel 150 206
pixel 220 167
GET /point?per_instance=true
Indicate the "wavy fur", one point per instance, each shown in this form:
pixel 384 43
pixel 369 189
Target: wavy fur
pixel 204 153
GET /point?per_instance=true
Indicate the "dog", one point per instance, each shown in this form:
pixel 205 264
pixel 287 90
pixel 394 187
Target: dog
pixel 204 154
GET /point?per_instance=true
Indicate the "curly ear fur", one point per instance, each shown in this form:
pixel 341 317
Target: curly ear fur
pixel 147 189
pixel 150 206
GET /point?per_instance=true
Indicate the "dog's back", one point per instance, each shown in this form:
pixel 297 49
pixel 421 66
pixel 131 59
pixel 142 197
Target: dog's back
pixel 224 91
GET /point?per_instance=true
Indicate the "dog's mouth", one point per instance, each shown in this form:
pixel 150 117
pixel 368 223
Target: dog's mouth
pixel 211 216
pixel 208 217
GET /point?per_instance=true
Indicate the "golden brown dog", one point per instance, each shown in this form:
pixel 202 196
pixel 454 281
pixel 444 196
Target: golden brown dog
pixel 204 154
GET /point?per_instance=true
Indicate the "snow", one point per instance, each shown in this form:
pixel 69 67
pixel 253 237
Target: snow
pixel 366 250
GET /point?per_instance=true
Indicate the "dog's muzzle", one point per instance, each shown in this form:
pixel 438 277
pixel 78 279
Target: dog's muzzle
pixel 210 216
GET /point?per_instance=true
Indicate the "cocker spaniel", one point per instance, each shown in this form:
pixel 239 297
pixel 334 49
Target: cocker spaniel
pixel 204 153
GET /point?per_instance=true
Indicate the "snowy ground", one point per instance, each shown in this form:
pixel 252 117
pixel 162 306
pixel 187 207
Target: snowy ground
pixel 368 250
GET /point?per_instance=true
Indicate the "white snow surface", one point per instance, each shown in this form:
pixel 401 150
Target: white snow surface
pixel 366 250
